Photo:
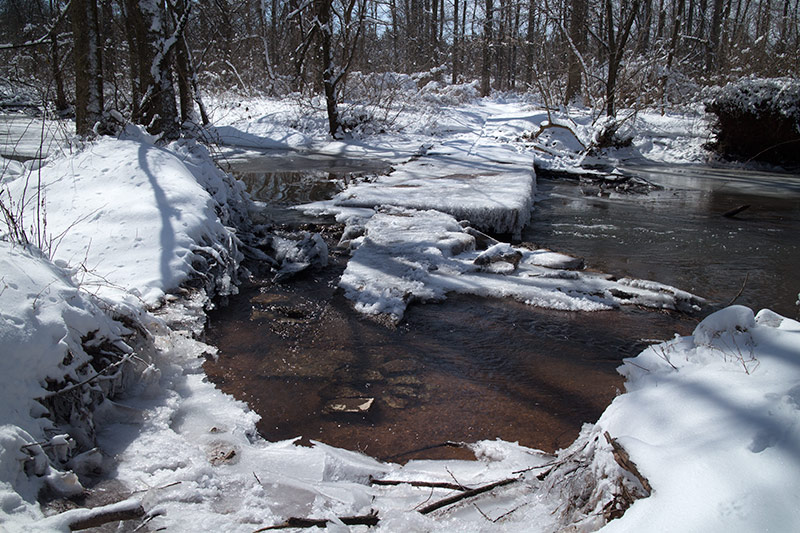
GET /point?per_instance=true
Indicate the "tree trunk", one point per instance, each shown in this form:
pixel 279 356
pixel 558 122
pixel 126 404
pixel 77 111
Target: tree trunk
pixel 530 48
pixel 713 41
pixel 455 42
pixel 486 66
pixel 183 67
pixel 58 78
pixel 323 17
pixel 616 49
pixel 157 110
pixel 577 36
pixel 88 66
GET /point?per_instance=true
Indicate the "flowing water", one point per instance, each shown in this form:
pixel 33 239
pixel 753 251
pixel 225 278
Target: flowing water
pixel 474 368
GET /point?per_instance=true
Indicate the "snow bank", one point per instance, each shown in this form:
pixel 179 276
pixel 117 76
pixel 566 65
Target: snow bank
pixel 53 335
pixel 713 421
pixel 135 218
pixel 125 222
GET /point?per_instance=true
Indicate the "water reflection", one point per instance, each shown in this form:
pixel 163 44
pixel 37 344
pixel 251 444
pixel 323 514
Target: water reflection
pixel 678 235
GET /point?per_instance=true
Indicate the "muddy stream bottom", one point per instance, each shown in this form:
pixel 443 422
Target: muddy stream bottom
pixel 463 370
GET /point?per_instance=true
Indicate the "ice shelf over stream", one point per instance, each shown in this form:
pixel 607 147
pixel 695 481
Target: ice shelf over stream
pixel 416 234
pixel 486 182
pixel 405 255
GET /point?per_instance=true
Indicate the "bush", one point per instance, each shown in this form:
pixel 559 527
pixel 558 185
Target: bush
pixel 758 119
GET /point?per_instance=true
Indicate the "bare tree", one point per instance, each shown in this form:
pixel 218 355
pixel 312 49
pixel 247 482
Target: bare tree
pixel 616 39
pixel 486 68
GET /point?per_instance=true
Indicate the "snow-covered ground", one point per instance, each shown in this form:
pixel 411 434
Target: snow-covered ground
pixel 711 422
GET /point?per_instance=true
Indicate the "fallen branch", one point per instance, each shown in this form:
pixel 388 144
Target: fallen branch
pixel 466 494
pixel 364 520
pixel 624 460
pixel 550 125
pixel 432 484
pixel 129 509
pixel 449 443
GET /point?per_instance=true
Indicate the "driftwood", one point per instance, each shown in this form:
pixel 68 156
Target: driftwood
pixel 370 519
pixel 624 460
pixel 430 484
pixel 466 494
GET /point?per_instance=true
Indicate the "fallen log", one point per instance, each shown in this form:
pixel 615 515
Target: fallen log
pixel 130 509
pixel 429 484
pixel 370 519
pixel 466 494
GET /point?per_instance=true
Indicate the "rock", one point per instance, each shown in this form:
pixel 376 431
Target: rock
pixel 412 381
pixel 221 452
pixel 405 392
pixel 500 252
pixel 348 405
pixel 394 402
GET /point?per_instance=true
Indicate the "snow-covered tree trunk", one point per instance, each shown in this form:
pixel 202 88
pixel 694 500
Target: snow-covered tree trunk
pixel 88 66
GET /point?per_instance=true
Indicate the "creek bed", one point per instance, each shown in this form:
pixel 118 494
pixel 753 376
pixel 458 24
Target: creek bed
pixel 474 368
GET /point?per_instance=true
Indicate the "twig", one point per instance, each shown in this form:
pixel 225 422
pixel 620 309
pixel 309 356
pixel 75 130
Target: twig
pixel 454 479
pixel 370 519
pixel 445 444
pixel 84 382
pixel 433 484
pixel 515 472
pixel 746 275
pixel 507 513
pixel 466 494
pixel 475 505
pixel 735 211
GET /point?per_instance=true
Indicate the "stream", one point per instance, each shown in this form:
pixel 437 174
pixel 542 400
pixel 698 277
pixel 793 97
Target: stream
pixel 474 368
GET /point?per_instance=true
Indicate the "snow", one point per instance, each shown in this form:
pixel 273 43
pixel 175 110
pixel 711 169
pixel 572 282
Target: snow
pixel 408 255
pixel 43 322
pixel 145 235
pixel 718 435
pixel 712 420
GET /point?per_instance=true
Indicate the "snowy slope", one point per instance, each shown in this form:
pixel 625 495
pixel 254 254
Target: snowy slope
pixel 134 217
pixel 44 323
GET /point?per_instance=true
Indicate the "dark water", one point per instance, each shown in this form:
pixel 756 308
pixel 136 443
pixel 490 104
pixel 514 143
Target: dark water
pixel 277 182
pixel 678 236
pixel 473 368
